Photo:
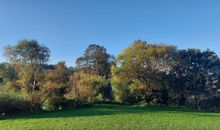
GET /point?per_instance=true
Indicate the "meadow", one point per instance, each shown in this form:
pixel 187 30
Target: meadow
pixel 115 117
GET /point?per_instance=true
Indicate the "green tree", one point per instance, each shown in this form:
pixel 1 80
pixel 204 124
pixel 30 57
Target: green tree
pixel 95 60
pixel 119 82
pixel 200 73
pixel 7 72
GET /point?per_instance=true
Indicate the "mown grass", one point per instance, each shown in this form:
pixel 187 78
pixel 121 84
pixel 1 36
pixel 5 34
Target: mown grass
pixel 115 117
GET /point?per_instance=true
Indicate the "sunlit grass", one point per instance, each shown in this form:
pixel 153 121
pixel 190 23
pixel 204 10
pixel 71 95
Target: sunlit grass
pixel 115 117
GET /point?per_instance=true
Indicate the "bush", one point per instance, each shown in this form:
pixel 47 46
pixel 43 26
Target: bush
pixel 12 103
pixel 53 103
pixel 211 104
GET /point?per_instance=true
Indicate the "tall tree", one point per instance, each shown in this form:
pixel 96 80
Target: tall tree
pixel 147 64
pixel 56 85
pixel 28 56
pixel 95 60
pixel 201 71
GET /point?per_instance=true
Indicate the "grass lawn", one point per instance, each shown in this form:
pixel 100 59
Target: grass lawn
pixel 115 117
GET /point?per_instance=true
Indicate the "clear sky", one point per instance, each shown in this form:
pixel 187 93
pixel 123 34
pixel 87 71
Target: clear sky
pixel 67 27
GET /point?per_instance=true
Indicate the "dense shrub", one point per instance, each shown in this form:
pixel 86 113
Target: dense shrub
pixel 208 104
pixel 12 103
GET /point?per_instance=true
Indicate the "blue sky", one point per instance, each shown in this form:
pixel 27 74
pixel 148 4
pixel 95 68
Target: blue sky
pixel 67 27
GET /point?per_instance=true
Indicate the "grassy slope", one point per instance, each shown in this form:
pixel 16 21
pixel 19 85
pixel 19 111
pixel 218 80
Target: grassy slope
pixel 115 117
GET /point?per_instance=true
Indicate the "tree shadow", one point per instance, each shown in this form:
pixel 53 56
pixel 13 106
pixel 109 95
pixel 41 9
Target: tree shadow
pixel 108 109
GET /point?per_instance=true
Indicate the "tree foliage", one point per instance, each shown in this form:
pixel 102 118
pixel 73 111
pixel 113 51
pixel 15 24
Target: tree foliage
pixel 85 88
pixel 143 73
pixel 55 86
pixel 27 57
pixel 147 64
pixel 95 60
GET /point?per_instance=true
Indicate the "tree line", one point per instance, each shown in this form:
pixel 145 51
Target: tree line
pixel 143 73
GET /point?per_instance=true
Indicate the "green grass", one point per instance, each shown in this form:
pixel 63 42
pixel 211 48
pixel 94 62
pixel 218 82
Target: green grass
pixel 115 117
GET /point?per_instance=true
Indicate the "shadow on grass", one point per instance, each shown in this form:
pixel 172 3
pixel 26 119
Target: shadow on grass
pixel 107 109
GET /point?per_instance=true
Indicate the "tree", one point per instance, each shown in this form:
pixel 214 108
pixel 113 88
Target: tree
pixel 147 64
pixel 96 61
pixel 201 74
pixel 8 78
pixel 56 85
pixel 84 88
pixel 7 73
pixel 28 56
pixel 119 82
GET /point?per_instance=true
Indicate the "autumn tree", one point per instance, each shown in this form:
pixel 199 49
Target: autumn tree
pixel 146 64
pixel 27 57
pixel 96 61
pixel 84 88
pixel 55 86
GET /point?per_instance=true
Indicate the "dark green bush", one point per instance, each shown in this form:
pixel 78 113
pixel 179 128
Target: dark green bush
pixel 12 103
